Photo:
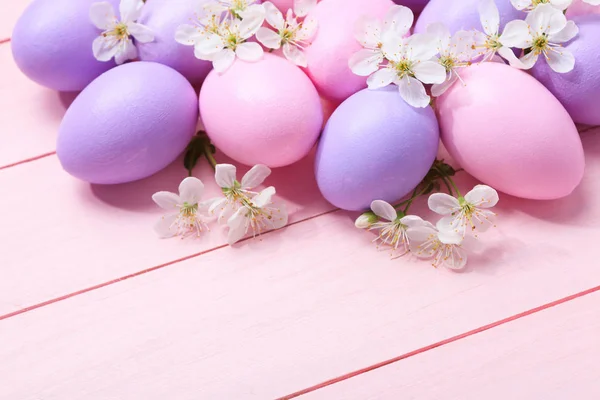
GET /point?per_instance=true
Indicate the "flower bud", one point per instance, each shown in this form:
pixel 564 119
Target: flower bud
pixel 366 220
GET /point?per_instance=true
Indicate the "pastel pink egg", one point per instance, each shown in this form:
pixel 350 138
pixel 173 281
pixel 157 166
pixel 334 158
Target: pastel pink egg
pixel 525 145
pixel 579 7
pixel 334 43
pixel 283 5
pixel 266 112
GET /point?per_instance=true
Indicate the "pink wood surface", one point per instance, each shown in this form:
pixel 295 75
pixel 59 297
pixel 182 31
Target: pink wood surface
pixel 550 355
pixel 10 10
pixel 306 304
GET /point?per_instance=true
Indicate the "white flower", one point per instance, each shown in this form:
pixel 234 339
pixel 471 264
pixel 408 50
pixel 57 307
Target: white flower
pixel 235 192
pixel 491 42
pixel 444 247
pixel 203 23
pixel 366 220
pixel 371 33
pixel 393 227
pixel 230 40
pixel 455 52
pixel 186 215
pixel 543 31
pixel 237 9
pixel 115 40
pixel 259 214
pixel 303 7
pixel 470 211
pixel 290 33
pixel 409 65
pixel 529 5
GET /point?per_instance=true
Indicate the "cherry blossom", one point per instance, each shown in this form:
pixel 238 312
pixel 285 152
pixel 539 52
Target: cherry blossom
pixel 443 247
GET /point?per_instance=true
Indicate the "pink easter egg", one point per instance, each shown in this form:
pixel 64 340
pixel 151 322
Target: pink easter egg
pixel 579 7
pixel 265 112
pixel 507 130
pixel 334 43
pixel 283 5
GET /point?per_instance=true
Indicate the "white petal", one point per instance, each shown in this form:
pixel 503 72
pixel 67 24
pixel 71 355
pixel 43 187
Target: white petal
pixel 451 224
pixel 483 196
pixel 126 51
pixel 256 11
pixel 365 62
pixel 308 29
pixel 303 7
pixel 569 32
pixel 223 60
pixel 249 51
pixel 140 33
pixel 462 45
pixel 440 88
pixel 516 34
pixel 225 175
pixel 255 176
pixel 273 16
pixel 546 19
pixel 167 200
pixel 217 205
pixel 207 45
pixel 279 215
pixel 413 221
pixel 561 60
pixel 190 190
pixel 268 38
pixel 237 226
pixel 165 227
pixel 105 48
pixel 398 20
pixel 442 203
pixel 489 16
pixel 561 4
pixel 130 10
pixel 381 78
pixel 187 34
pixel 457 259
pixel 430 72
pixel 363 222
pixel 394 48
pixel 413 92
pixel 103 15
pixel 421 46
pixel 529 59
pixel 264 197
pixel 295 55
pixel 384 210
pixel 442 35
pixel 419 235
pixel 367 32
pixel 509 56
pixel 521 4
pixel 249 26
pixel 448 236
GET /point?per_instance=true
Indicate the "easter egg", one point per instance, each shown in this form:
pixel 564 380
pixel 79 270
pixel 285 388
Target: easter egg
pixel 579 7
pixel 334 43
pixel 265 112
pixel 283 5
pixel 462 14
pixel 578 90
pixel 507 130
pixel 52 44
pixel 415 5
pixel 128 124
pixel 163 17
pixel 375 147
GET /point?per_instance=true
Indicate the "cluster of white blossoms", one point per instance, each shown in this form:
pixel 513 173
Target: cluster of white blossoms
pixel 391 55
pixel 441 243
pixel 241 208
pixel 222 30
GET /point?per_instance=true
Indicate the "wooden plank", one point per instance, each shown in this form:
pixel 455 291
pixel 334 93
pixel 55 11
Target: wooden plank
pixel 306 304
pixel 552 354
pixel 29 114
pixel 66 235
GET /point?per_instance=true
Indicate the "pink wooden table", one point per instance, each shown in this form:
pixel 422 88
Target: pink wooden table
pixel 93 306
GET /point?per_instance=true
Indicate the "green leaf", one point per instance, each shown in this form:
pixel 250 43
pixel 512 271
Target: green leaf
pixel 195 150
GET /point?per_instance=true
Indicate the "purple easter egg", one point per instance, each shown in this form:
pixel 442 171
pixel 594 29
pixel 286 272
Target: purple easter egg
pixel 164 17
pixel 462 14
pixel 578 90
pixel 375 147
pixel 415 5
pixel 52 44
pixel 128 124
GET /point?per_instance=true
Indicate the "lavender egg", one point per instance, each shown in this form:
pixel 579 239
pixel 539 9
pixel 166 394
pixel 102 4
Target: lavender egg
pixel 462 14
pixel 52 44
pixel 375 147
pixel 164 17
pixel 578 90
pixel 128 124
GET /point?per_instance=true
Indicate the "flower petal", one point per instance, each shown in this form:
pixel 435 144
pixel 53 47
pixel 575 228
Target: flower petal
pixel 443 203
pixel 440 88
pixel 295 55
pixel 367 32
pixel 546 19
pixel 384 210
pixel 489 16
pixel 238 226
pixel 264 197
pixel 482 196
pixel 167 200
pixel 130 10
pixel 430 72
pixel 442 35
pixel 529 59
pixel 567 33
pixel 190 190
pixel 521 4
pixel 255 176
pixel 394 48
pixel 208 45
pixel 422 46
pixel 223 60
pixel 268 38
pixel 273 16
pixel 140 33
pixel 126 50
pixel 446 235
pixel 250 25
pixel 381 78
pixel 308 30
pixel 398 21
pixel 225 175
pixel 187 34
pixel 508 55
pixel 255 11
pixel 412 221
pixel 249 51
pixel 303 7
pixel 516 34
pixel 279 215
pixel 103 15
pixel 105 48
pixel 457 258
pixel 165 227
pixel 413 92
pixel 561 4
pixel 365 62
pixel 561 60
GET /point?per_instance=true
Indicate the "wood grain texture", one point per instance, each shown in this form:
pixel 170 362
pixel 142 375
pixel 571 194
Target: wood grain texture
pixel 66 235
pixel 306 304
pixel 551 355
